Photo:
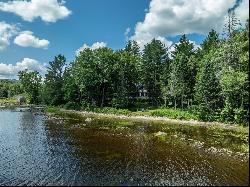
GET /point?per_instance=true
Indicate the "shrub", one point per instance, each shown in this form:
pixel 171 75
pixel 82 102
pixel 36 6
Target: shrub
pixel 240 115
pixel 52 109
pixel 227 114
pixel 72 106
pixel 108 110
pixel 113 110
pixel 203 113
pixel 172 113
pixel 141 103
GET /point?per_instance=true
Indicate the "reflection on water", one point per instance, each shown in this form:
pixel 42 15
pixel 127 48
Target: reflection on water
pixel 35 152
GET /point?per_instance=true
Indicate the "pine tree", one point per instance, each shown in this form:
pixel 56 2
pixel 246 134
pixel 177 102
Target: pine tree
pixel 181 79
pixel 152 68
pixel 54 81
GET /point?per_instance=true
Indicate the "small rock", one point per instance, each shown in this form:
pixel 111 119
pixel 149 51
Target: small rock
pixel 160 133
pixel 104 128
pixel 88 120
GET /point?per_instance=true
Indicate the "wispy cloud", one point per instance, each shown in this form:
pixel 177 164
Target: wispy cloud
pixel 7 31
pixel 95 45
pixel 11 71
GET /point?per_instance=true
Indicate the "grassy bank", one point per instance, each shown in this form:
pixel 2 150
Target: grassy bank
pixel 176 114
pixel 12 101
pixel 8 101
pixel 168 113
pixel 158 115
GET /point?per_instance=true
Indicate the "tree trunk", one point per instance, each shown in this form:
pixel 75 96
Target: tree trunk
pixel 79 95
pixel 242 101
pixel 165 100
pixel 103 89
pixel 182 101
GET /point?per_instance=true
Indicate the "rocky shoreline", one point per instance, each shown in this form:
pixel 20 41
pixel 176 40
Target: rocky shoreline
pixel 161 119
pixel 192 142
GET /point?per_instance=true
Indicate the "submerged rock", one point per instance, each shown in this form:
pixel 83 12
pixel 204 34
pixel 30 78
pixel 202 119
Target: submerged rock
pixel 198 144
pixel 88 120
pixel 122 128
pixel 78 126
pixel 160 134
pixel 104 128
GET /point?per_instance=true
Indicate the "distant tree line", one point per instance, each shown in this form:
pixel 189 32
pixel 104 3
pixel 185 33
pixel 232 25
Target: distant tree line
pixel 10 88
pixel 212 81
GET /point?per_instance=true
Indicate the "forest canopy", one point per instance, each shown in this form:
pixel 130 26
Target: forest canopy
pixel 211 81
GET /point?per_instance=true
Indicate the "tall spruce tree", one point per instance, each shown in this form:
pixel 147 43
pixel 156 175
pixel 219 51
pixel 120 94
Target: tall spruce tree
pixel 181 79
pixel 153 61
pixel 54 81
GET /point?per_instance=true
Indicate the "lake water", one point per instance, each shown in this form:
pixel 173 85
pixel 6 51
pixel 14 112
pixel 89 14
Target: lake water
pixel 34 151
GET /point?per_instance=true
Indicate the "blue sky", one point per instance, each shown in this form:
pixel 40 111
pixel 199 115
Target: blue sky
pixel 90 21
pixel 32 38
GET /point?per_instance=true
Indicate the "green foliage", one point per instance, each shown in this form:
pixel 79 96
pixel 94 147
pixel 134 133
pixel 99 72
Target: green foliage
pixel 94 73
pixel 183 72
pixel 227 113
pixel 70 89
pixel 127 77
pixel 142 103
pixel 241 116
pixel 53 89
pixel 208 89
pixel 10 88
pixel 109 110
pixel 52 109
pixel 210 43
pixel 31 82
pixel 174 114
pixel 10 100
pixel 210 83
pixel 3 93
pixel 233 87
pixel 203 113
pixel 72 106
pixel 153 62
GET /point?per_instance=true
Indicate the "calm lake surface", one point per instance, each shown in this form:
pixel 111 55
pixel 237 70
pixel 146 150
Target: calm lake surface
pixel 34 151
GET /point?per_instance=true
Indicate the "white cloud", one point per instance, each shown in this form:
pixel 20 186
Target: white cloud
pixel 176 17
pixel 26 39
pixel 11 71
pixel 94 46
pixel 126 33
pixel 242 12
pixel 6 32
pixel 47 10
